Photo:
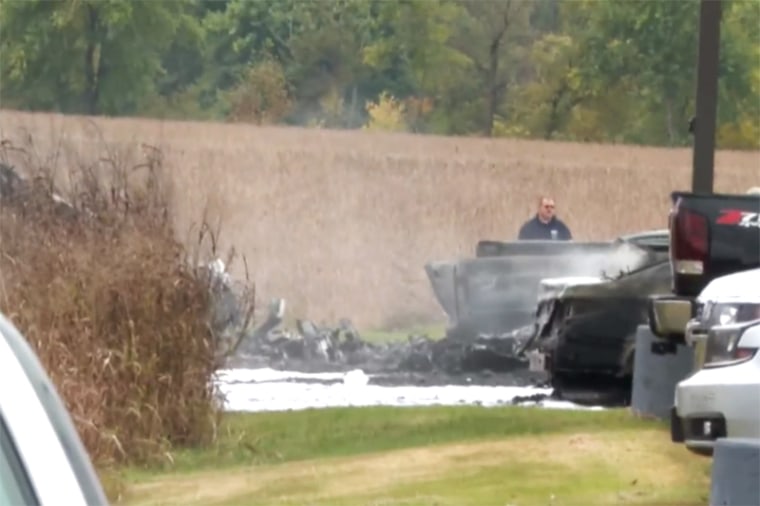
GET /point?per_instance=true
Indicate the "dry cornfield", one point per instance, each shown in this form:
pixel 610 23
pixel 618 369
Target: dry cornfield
pixel 341 223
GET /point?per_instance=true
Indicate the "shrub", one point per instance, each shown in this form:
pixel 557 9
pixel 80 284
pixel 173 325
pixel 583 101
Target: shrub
pixel 110 300
pixel 387 114
pixel 262 96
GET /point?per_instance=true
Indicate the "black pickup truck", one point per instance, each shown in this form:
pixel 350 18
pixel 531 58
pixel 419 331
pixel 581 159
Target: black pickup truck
pixel 711 235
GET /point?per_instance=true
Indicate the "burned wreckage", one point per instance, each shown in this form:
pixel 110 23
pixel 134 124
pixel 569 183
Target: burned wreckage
pixel 420 359
pixel 572 308
pixel 527 312
pixel 586 327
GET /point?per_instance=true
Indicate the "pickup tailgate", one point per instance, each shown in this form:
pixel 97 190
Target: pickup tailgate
pixel 712 235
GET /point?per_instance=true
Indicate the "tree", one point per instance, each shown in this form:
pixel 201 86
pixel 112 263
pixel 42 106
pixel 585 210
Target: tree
pixel 650 45
pixel 739 84
pixel 317 44
pixel 261 98
pixel 620 71
pixel 85 56
pixel 411 54
pixel 544 105
pixel 491 35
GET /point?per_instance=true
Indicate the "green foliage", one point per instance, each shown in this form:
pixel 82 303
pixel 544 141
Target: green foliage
pixel 652 48
pixel 416 44
pixel 617 71
pixel 85 56
pixel 739 106
pixel 543 106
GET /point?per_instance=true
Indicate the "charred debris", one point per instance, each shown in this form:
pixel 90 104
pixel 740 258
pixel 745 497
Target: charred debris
pixel 419 359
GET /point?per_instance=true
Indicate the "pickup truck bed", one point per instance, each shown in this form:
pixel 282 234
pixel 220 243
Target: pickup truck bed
pixel 711 235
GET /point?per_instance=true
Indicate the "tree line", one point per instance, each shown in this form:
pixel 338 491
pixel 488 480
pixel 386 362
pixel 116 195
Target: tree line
pixel 585 70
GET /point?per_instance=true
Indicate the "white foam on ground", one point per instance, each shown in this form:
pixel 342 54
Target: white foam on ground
pixel 267 374
pixel 253 390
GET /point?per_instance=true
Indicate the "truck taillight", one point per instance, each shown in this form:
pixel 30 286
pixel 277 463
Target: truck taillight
pixel 689 241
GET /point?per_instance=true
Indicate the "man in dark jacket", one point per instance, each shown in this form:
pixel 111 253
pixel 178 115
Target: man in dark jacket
pixel 545 226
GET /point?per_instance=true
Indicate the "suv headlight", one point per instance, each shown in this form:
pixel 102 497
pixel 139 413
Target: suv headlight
pixel 723 345
pixel 727 313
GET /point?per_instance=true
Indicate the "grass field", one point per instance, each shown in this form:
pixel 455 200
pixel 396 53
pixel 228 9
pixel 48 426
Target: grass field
pixel 430 456
pixel 401 334
pixel 342 223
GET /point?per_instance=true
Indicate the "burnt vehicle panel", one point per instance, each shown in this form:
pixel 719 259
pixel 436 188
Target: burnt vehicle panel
pixel 586 329
pixel 593 341
pixel 495 292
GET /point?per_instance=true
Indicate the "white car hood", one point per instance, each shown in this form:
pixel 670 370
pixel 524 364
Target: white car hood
pixel 737 287
pixel 551 288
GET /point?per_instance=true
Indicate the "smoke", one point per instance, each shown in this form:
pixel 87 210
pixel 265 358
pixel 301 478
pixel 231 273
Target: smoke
pixel 625 257
pixel 495 295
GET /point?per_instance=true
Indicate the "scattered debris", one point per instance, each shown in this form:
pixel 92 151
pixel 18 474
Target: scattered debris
pixel 19 191
pixel 420 359
pixel 10 182
pixel 524 399
pixel 487 360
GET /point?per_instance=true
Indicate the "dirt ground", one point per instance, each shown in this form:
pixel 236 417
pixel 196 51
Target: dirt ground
pixel 341 223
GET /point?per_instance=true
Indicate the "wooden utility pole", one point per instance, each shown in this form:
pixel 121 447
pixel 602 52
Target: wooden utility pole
pixel 703 163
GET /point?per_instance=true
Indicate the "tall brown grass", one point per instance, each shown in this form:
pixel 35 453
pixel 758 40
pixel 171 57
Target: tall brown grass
pixel 341 223
pixel 112 302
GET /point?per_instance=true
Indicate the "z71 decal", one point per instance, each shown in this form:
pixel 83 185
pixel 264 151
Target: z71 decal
pixel 739 218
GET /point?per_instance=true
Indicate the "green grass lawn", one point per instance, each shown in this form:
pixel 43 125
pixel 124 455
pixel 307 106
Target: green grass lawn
pixel 388 334
pixel 429 456
pixel 384 336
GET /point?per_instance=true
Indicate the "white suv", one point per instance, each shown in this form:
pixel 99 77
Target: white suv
pixel 42 459
pixel 722 397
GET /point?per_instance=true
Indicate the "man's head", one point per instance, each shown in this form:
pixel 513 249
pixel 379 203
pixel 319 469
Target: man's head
pixel 545 208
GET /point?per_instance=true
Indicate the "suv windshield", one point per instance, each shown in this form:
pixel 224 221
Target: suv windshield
pixel 14 485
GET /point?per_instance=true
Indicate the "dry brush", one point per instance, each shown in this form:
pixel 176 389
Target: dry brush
pixel 112 302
